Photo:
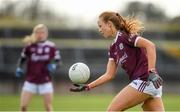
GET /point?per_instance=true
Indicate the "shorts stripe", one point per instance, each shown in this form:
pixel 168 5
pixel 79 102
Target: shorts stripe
pixel 142 86
pixel 145 84
pixel 146 87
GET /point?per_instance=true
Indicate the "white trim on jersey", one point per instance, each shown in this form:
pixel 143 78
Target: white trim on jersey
pixel 23 55
pixel 57 55
pixel 50 43
pixel 135 43
pixel 117 35
pixel 47 42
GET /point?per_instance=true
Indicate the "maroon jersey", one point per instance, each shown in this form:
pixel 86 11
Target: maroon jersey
pixel 38 56
pixel 131 58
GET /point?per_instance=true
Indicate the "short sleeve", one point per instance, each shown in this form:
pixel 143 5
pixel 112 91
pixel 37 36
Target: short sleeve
pixel 131 40
pixel 56 53
pixel 24 52
pixel 111 54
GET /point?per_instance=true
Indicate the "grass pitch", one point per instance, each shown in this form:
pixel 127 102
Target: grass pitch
pixel 79 102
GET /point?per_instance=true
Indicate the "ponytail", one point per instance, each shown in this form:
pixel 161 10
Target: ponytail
pixel 29 39
pixel 129 25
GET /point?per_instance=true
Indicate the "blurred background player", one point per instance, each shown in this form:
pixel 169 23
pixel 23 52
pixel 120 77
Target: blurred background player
pixel 42 60
pixel 137 56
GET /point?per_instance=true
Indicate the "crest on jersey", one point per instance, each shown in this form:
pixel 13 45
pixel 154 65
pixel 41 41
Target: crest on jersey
pixel 121 46
pixel 47 49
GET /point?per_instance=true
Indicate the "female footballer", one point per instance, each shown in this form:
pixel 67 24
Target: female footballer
pixel 42 60
pixel 137 56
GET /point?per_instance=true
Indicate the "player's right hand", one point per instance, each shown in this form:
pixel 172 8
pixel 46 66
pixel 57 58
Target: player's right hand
pixel 19 72
pixel 80 87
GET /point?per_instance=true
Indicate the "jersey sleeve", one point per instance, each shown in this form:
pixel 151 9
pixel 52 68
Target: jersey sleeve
pixel 25 52
pixel 131 40
pixel 111 54
pixel 56 54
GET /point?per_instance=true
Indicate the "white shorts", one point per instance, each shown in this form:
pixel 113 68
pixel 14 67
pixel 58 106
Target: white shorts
pixel 146 87
pixel 38 88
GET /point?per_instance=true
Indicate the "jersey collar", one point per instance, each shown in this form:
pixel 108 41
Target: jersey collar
pixel 42 42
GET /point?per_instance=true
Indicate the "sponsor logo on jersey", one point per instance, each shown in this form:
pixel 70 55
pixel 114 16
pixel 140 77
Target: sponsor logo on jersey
pixel 123 59
pixel 35 57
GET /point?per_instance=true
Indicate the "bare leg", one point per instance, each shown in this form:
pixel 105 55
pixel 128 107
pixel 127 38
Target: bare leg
pixel 25 99
pixel 48 101
pixel 153 104
pixel 127 98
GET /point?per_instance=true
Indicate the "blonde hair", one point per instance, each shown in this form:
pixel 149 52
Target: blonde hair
pixel 30 39
pixel 129 25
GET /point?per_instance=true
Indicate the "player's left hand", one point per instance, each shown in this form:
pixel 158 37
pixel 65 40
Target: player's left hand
pixel 155 78
pixel 51 67
pixel 80 87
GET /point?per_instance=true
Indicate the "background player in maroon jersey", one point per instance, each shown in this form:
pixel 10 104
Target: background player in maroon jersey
pixel 42 60
pixel 137 56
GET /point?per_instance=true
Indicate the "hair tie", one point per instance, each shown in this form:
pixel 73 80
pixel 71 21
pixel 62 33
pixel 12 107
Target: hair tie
pixel 117 14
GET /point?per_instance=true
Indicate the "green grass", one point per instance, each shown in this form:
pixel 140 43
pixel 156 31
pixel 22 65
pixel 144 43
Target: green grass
pixel 79 103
